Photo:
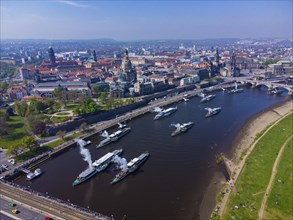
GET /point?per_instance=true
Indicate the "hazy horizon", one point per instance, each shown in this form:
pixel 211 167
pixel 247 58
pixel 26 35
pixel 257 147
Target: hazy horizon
pixel 145 20
pixel 89 39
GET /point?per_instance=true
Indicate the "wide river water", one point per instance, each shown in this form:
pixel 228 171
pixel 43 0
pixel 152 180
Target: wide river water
pixel 172 182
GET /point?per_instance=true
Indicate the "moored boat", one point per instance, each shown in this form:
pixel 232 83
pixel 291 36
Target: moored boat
pixel 164 113
pixel 235 90
pixel 35 174
pixel 181 128
pixel 85 175
pixel 114 137
pixel 136 162
pixel 102 163
pixel 132 166
pixel 207 98
pixel 213 111
pixel 121 125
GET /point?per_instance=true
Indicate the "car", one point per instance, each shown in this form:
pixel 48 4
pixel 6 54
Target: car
pixel 4 166
pixel 12 161
pixel 15 211
pixel 11 204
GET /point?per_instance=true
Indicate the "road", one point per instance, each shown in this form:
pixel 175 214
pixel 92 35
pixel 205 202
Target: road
pixel 45 206
pixel 24 212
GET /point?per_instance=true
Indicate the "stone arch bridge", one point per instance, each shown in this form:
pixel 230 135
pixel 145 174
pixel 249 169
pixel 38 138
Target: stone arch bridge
pixel 269 84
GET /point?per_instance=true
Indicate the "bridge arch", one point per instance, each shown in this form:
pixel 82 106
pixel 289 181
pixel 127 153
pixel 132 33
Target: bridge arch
pixel 258 85
pixel 282 88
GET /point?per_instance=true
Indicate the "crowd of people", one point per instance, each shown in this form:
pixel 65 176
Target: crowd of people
pixel 57 201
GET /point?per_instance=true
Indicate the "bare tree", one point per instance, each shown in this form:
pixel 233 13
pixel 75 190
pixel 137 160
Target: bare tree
pixel 61 134
pixel 83 127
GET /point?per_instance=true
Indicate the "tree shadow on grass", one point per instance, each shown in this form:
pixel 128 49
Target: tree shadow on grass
pixel 14 136
pixel 31 154
pixel 17 125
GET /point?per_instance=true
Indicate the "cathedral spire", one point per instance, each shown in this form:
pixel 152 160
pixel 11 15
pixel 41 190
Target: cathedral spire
pixel 95 56
pixel 126 53
pixel 52 55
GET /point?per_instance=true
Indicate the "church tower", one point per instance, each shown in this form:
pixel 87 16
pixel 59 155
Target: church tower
pixel 126 69
pixel 235 71
pixel 217 58
pixel 52 55
pixel 94 56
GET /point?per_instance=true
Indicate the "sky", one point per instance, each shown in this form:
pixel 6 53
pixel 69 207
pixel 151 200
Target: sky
pixel 145 20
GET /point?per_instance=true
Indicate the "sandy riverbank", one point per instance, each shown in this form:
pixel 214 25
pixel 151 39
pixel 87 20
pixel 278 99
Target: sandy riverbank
pixel 242 142
pixel 255 125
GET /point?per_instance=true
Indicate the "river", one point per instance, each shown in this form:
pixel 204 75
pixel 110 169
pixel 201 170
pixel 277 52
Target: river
pixel 172 182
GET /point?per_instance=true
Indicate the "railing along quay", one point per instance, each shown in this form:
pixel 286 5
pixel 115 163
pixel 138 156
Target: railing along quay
pixel 46 204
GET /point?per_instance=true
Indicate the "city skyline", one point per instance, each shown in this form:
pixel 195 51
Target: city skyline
pixel 145 20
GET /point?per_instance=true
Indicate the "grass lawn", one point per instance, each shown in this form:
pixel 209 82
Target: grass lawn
pixel 63 113
pixel 245 200
pixel 59 142
pixel 17 132
pixel 56 143
pixel 70 106
pixel 59 119
pixel 280 201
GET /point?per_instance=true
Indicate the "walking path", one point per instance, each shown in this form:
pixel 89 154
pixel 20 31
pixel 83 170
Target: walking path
pixel 273 175
pixel 236 169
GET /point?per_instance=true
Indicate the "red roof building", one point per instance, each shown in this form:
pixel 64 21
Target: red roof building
pixel 17 92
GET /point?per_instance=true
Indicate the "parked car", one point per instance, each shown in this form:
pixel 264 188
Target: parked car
pixel 12 161
pixel 15 211
pixel 11 204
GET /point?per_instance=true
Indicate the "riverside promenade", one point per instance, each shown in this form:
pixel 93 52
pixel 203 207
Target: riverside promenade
pixel 46 205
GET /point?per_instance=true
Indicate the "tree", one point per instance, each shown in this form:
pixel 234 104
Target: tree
pixel 35 124
pixel 56 106
pixel 58 93
pixel 110 104
pixel 11 84
pixel 88 106
pixel 15 150
pixel 16 107
pixel 219 158
pixel 7 70
pixel 92 107
pixel 21 108
pixel 39 127
pixel 24 82
pixel 3 85
pixel 37 106
pixel 9 112
pixel 102 97
pixel 83 127
pixel 48 102
pixel 76 110
pixel 4 126
pixel 29 143
pixel 61 134
pixel 96 90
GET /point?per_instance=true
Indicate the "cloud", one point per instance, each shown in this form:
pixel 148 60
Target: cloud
pixel 72 3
